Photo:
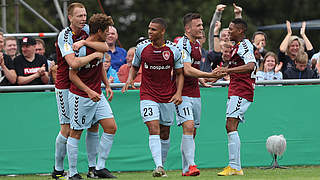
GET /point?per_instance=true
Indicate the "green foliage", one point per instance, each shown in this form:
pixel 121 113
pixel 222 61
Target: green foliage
pixel 132 17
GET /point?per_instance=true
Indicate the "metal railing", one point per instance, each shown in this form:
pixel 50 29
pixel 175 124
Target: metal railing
pixel 120 85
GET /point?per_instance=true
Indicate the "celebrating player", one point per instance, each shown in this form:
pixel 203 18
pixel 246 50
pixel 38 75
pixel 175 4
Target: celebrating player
pixel 241 69
pixel 159 91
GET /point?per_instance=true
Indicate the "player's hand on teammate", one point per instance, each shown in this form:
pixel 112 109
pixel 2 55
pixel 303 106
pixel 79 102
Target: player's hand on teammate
pixel 176 99
pixel 94 96
pixel 219 72
pixel 109 93
pixel 77 45
pixel 98 55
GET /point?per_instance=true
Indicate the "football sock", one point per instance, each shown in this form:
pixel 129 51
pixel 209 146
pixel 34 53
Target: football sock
pixel 185 167
pixel 188 148
pixel 155 148
pixel 234 150
pixel 92 142
pixel 61 150
pixel 72 148
pixel 165 145
pixel 104 149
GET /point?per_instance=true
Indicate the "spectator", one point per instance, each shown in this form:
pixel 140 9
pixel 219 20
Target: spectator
pixel 123 72
pixel 293 46
pixel 10 47
pixel 204 65
pixel 118 55
pixel 31 68
pixel 267 69
pixel 259 41
pixel 40 47
pixel 224 34
pixel 7 74
pixel 111 73
pixel 300 70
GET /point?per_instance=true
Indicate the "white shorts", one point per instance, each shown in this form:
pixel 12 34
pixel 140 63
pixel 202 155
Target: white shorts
pixel 164 112
pixel 189 109
pixel 236 107
pixel 63 105
pixel 85 113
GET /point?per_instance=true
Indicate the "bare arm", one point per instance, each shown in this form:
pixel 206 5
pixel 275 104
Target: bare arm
pixel 217 27
pixel 132 75
pixel 242 69
pixel 27 79
pixel 285 42
pixel 237 11
pixel 77 62
pixel 216 17
pixel 74 78
pixel 304 36
pixel 106 83
pixel 97 45
pixel 11 75
pixel 177 98
pixel 193 72
pixel 45 78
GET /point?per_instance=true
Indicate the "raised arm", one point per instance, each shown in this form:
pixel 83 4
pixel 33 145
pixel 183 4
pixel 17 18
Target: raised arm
pixel 237 11
pixel 285 42
pixel 217 27
pixel 304 36
pixel 97 45
pixel 216 17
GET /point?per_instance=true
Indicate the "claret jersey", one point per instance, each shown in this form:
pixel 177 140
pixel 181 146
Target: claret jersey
pixel 242 84
pixel 157 82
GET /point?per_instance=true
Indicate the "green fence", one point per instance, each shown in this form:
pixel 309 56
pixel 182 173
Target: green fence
pixel 29 127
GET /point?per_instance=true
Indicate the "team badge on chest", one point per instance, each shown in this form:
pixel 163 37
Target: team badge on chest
pixel 166 55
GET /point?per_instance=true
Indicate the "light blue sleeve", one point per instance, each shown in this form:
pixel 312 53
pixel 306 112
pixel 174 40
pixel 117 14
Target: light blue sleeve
pixel 184 46
pixel 178 63
pixel 279 75
pixel 86 28
pixel 245 51
pixel 137 55
pixel 65 42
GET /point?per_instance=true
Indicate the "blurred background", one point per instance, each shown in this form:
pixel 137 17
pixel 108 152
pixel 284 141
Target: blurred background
pixel 131 17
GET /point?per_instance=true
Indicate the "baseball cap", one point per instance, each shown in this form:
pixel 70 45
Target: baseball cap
pixel 28 41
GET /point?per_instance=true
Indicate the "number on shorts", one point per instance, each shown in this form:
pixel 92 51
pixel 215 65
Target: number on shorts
pixel 147 112
pixel 186 111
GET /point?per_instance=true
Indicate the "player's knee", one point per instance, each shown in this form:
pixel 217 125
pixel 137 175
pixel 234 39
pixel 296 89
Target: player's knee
pixel 188 127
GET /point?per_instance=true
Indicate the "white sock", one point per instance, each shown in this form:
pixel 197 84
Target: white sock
pixel 234 150
pixel 104 149
pixel 188 148
pixel 155 148
pixel 72 148
pixel 185 167
pixel 92 142
pixel 165 146
pixel 61 150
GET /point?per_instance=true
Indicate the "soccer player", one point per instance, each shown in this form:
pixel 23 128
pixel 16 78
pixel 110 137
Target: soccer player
pixel 77 31
pixel 88 106
pixel 159 90
pixel 188 112
pixel 241 69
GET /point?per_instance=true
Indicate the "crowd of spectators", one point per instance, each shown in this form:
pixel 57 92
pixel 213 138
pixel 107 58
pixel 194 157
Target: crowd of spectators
pixel 295 59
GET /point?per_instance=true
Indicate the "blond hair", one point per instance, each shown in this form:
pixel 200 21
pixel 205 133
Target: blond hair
pixel 72 6
pixel 302 58
pixel 270 53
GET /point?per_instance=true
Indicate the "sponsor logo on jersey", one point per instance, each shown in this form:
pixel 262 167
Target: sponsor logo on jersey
pixel 184 54
pixel 157 52
pixel 164 67
pixel 66 47
pixel 31 70
pixel 196 62
pixel 166 55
